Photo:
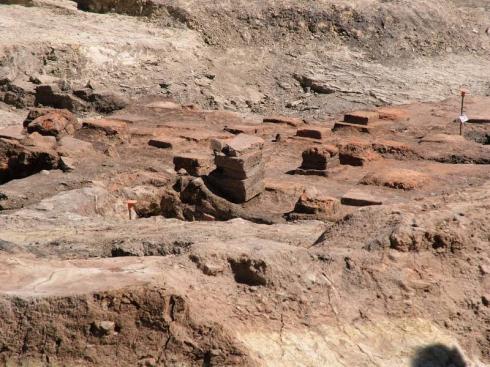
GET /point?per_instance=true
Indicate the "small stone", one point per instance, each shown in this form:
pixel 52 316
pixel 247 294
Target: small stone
pixel 484 269
pixel 67 164
pixel 102 328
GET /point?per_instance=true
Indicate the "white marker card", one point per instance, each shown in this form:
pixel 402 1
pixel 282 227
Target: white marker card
pixel 463 119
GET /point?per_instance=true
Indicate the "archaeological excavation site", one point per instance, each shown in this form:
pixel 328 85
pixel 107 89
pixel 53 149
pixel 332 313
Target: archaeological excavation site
pixel 276 183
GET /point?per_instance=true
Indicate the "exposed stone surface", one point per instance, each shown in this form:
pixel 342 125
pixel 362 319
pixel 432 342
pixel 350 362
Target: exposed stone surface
pixel 102 101
pixel 19 92
pixel 12 132
pixel 18 161
pixel 51 95
pixel 67 164
pixel 69 146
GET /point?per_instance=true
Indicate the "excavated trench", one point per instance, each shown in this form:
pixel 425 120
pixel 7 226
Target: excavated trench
pixel 385 30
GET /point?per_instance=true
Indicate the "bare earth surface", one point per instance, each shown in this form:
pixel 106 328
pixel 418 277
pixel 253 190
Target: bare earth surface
pixel 367 243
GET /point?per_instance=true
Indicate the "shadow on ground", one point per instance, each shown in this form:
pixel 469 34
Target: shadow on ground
pixel 438 355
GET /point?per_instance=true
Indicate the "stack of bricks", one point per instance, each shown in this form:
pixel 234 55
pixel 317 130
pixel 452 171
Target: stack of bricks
pixel 239 176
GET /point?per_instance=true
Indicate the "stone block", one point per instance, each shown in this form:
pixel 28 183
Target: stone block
pixel 357 197
pixel 311 202
pixel 165 142
pixel 318 158
pixel 361 117
pixel 243 163
pixel 244 174
pixel 243 144
pixel 238 191
pixel 195 164
pixel 318 133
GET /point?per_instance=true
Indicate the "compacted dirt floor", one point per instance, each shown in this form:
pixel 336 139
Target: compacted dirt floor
pixel 355 231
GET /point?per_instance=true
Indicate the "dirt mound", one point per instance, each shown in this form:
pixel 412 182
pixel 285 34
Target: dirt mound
pixel 178 186
pixel 397 179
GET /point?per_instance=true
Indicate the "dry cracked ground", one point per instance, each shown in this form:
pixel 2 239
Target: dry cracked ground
pixel 244 183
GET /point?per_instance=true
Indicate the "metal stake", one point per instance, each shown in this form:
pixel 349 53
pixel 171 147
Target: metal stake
pixel 463 94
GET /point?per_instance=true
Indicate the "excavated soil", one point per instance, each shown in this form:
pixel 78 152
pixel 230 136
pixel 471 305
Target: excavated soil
pixel 110 254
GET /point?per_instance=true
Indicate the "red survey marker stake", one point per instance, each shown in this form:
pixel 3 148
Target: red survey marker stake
pixel 131 204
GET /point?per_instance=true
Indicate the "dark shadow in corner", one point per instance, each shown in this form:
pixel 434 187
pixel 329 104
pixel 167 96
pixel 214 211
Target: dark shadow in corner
pixel 438 355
